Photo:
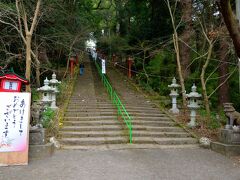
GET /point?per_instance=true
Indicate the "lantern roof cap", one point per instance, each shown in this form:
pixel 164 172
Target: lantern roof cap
pixel 194 93
pixel 174 84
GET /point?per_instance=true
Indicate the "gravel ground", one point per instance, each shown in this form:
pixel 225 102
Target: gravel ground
pixel 129 164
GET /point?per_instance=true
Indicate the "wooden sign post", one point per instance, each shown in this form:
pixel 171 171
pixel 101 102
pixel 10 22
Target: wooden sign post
pixel 14 128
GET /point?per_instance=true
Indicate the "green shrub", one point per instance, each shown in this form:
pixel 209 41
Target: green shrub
pixel 35 95
pixel 47 117
pixel 213 122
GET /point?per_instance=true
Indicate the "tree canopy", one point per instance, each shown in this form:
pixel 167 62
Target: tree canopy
pixel 206 40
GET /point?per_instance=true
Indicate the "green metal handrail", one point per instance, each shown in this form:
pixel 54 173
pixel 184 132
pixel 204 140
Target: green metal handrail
pixel 122 112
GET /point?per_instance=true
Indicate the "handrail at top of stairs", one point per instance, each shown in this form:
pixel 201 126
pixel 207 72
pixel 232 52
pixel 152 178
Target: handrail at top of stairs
pixel 117 102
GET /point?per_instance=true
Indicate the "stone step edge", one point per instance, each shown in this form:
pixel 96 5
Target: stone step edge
pixel 154 139
pixel 115 121
pixel 123 140
pixel 127 146
pixel 102 117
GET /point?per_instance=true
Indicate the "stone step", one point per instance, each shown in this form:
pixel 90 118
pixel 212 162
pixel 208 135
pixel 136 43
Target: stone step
pixel 118 119
pixel 153 123
pixel 89 118
pixel 124 140
pixel 91 107
pixel 83 104
pixel 96 107
pixel 92 133
pixel 109 115
pixel 163 141
pixel 137 133
pixel 143 133
pixel 92 128
pixel 91 104
pixel 85 101
pixel 138 107
pixel 92 118
pixel 84 114
pixel 94 140
pixel 119 127
pixel 110 105
pixel 128 146
pixel 150 111
pixel 107 102
pixel 113 110
pixel 158 129
pixel 143 114
pixel 151 118
pixel 91 110
pixel 91 123
pixel 114 122
pixel 78 95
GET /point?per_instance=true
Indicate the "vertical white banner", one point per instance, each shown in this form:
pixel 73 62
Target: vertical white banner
pixel 14 121
pixel 95 56
pixel 103 66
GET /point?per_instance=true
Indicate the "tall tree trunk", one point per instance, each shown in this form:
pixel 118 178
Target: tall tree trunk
pixel 38 70
pixel 231 23
pixel 37 64
pixel 223 71
pixel 121 17
pixel 28 60
pixel 22 17
pixel 179 67
pixel 184 45
pixel 203 82
pixel 176 46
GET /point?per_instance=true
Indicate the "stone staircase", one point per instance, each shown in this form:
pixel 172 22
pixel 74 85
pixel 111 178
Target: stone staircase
pixel 91 126
pixel 150 126
pixel 91 120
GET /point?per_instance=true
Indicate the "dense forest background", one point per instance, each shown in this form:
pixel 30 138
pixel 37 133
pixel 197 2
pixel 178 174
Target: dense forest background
pixel 195 41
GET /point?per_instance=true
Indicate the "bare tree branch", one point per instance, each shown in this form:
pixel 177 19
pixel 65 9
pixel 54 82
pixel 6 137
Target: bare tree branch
pixel 35 16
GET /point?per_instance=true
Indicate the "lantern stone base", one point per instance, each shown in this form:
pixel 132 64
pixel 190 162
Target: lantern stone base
pixel 192 123
pixel 41 151
pixel 174 111
pixel 38 148
pixel 226 149
pixel 229 136
pixel 36 136
pixel 54 108
pixel 229 144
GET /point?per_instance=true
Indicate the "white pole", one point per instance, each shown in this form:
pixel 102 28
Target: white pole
pixel 103 66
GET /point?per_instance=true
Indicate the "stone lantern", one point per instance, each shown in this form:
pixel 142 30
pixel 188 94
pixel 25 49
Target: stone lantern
pixel 46 90
pixel 53 83
pixel 193 105
pixel 174 94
